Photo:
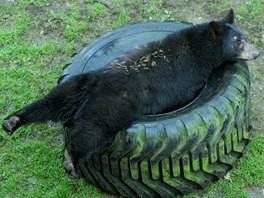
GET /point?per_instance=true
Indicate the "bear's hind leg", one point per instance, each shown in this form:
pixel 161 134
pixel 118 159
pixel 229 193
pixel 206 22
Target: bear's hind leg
pixel 59 105
pixel 96 125
pixel 82 144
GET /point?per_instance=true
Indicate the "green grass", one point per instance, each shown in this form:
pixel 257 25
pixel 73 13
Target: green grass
pixel 38 37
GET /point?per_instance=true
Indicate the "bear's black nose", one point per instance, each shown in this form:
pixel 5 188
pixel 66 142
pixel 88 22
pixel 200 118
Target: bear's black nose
pixel 256 53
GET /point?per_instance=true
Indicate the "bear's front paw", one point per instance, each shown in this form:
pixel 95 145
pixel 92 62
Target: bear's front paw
pixel 10 124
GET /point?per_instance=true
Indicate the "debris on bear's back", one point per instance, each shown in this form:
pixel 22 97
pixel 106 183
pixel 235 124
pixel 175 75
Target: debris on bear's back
pixel 144 58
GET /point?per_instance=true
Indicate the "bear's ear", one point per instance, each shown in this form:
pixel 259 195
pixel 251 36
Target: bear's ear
pixel 214 30
pixel 229 18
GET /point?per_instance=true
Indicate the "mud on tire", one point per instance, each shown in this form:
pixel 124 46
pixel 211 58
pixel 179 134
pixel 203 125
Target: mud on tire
pixel 177 152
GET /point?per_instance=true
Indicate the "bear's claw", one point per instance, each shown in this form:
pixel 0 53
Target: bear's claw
pixel 10 124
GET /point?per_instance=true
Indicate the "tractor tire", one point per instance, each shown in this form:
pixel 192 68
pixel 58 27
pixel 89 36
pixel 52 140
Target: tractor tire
pixel 173 153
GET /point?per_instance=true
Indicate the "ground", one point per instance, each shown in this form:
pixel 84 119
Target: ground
pixel 37 38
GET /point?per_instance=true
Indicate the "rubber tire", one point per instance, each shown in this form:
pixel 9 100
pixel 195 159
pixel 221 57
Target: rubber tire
pixel 177 152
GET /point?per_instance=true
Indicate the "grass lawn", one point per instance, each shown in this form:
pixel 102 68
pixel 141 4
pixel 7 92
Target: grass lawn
pixel 38 37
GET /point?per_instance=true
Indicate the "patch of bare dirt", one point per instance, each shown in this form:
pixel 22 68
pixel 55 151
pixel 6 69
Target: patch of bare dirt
pixel 255 192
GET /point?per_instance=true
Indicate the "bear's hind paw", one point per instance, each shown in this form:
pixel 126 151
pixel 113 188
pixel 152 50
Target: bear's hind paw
pixel 10 124
pixel 69 166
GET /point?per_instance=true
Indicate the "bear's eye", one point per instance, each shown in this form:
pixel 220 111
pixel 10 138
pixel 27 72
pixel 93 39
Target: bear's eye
pixel 239 41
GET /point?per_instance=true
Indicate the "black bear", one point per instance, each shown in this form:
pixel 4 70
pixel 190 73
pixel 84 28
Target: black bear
pixel 162 75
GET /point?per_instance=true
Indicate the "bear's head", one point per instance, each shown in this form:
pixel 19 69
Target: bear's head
pixel 234 43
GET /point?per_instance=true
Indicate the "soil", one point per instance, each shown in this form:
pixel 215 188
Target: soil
pixel 254 192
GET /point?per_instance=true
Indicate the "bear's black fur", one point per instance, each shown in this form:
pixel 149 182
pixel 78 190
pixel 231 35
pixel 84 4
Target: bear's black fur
pixel 163 75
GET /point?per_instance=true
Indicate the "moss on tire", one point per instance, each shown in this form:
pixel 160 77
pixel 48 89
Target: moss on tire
pixel 176 152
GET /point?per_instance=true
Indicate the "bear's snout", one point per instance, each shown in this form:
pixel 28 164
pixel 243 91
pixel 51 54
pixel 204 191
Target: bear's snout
pixel 249 52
